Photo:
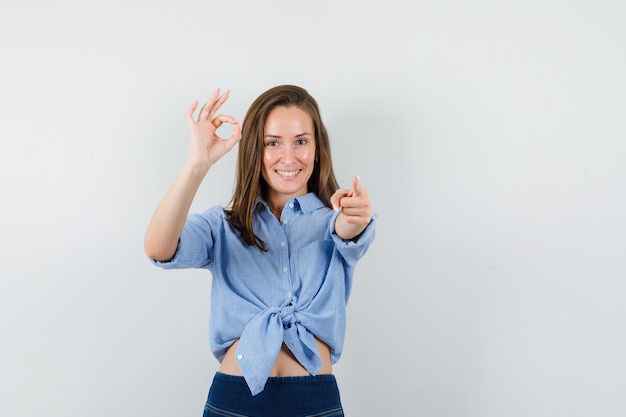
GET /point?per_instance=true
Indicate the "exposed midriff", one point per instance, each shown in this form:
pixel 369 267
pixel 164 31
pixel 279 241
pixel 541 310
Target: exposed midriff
pixel 285 364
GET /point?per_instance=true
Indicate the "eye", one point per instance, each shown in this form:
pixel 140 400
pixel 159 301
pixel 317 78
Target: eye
pixel 271 143
pixel 301 141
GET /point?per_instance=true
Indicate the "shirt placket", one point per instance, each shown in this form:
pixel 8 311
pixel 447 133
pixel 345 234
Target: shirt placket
pixel 287 281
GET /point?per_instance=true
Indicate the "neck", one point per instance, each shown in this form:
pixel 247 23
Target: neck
pixel 276 206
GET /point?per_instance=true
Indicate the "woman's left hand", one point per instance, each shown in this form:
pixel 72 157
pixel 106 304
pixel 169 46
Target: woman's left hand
pixel 356 210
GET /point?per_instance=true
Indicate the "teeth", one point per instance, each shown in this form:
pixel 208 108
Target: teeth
pixel 287 173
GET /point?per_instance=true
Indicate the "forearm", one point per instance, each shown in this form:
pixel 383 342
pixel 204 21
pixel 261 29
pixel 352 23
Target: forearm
pixel 346 230
pixel 168 220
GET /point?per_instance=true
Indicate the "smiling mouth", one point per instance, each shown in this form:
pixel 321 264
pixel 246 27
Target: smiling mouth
pixel 288 174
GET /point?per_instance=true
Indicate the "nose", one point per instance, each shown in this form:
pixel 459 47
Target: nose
pixel 288 154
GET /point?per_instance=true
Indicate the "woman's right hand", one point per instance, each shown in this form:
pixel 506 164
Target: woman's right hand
pixel 168 220
pixel 206 146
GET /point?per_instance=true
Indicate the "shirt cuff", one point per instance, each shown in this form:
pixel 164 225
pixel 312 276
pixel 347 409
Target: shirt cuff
pixel 364 239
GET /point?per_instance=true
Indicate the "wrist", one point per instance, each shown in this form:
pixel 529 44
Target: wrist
pixel 196 168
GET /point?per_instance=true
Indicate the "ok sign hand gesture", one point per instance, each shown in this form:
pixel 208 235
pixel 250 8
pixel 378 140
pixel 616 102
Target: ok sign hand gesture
pixel 206 145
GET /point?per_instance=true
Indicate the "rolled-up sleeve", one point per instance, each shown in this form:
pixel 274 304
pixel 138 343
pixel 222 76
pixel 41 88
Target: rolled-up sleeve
pixel 353 250
pixel 195 243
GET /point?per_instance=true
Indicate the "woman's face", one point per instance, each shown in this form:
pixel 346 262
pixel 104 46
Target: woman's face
pixel 288 153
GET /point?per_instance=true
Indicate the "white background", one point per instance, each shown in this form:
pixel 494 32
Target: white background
pixel 489 134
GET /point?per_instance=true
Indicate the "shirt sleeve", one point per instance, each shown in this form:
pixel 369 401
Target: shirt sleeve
pixel 196 241
pixel 352 250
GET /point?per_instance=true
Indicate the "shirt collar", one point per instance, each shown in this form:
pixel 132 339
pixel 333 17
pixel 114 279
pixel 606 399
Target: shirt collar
pixel 307 202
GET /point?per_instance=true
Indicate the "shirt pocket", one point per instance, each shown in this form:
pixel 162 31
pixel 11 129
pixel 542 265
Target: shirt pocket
pixel 314 262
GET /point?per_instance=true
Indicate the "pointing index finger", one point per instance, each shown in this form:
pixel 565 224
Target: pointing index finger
pixel 356 186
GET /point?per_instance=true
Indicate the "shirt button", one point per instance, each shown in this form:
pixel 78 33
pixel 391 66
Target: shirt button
pixel 288 294
pixel 285 221
pixel 290 205
pixel 285 269
pixel 282 243
pixel 240 356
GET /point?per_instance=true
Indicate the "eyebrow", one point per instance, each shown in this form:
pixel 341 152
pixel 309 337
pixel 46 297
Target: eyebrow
pixel 297 136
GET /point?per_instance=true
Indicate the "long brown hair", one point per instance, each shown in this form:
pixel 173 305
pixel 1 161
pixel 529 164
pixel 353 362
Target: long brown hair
pixel 249 183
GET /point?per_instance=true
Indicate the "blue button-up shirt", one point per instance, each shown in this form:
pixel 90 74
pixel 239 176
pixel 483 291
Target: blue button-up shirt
pixel 292 293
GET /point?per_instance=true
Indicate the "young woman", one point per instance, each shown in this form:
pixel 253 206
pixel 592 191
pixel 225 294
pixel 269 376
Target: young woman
pixel 281 256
